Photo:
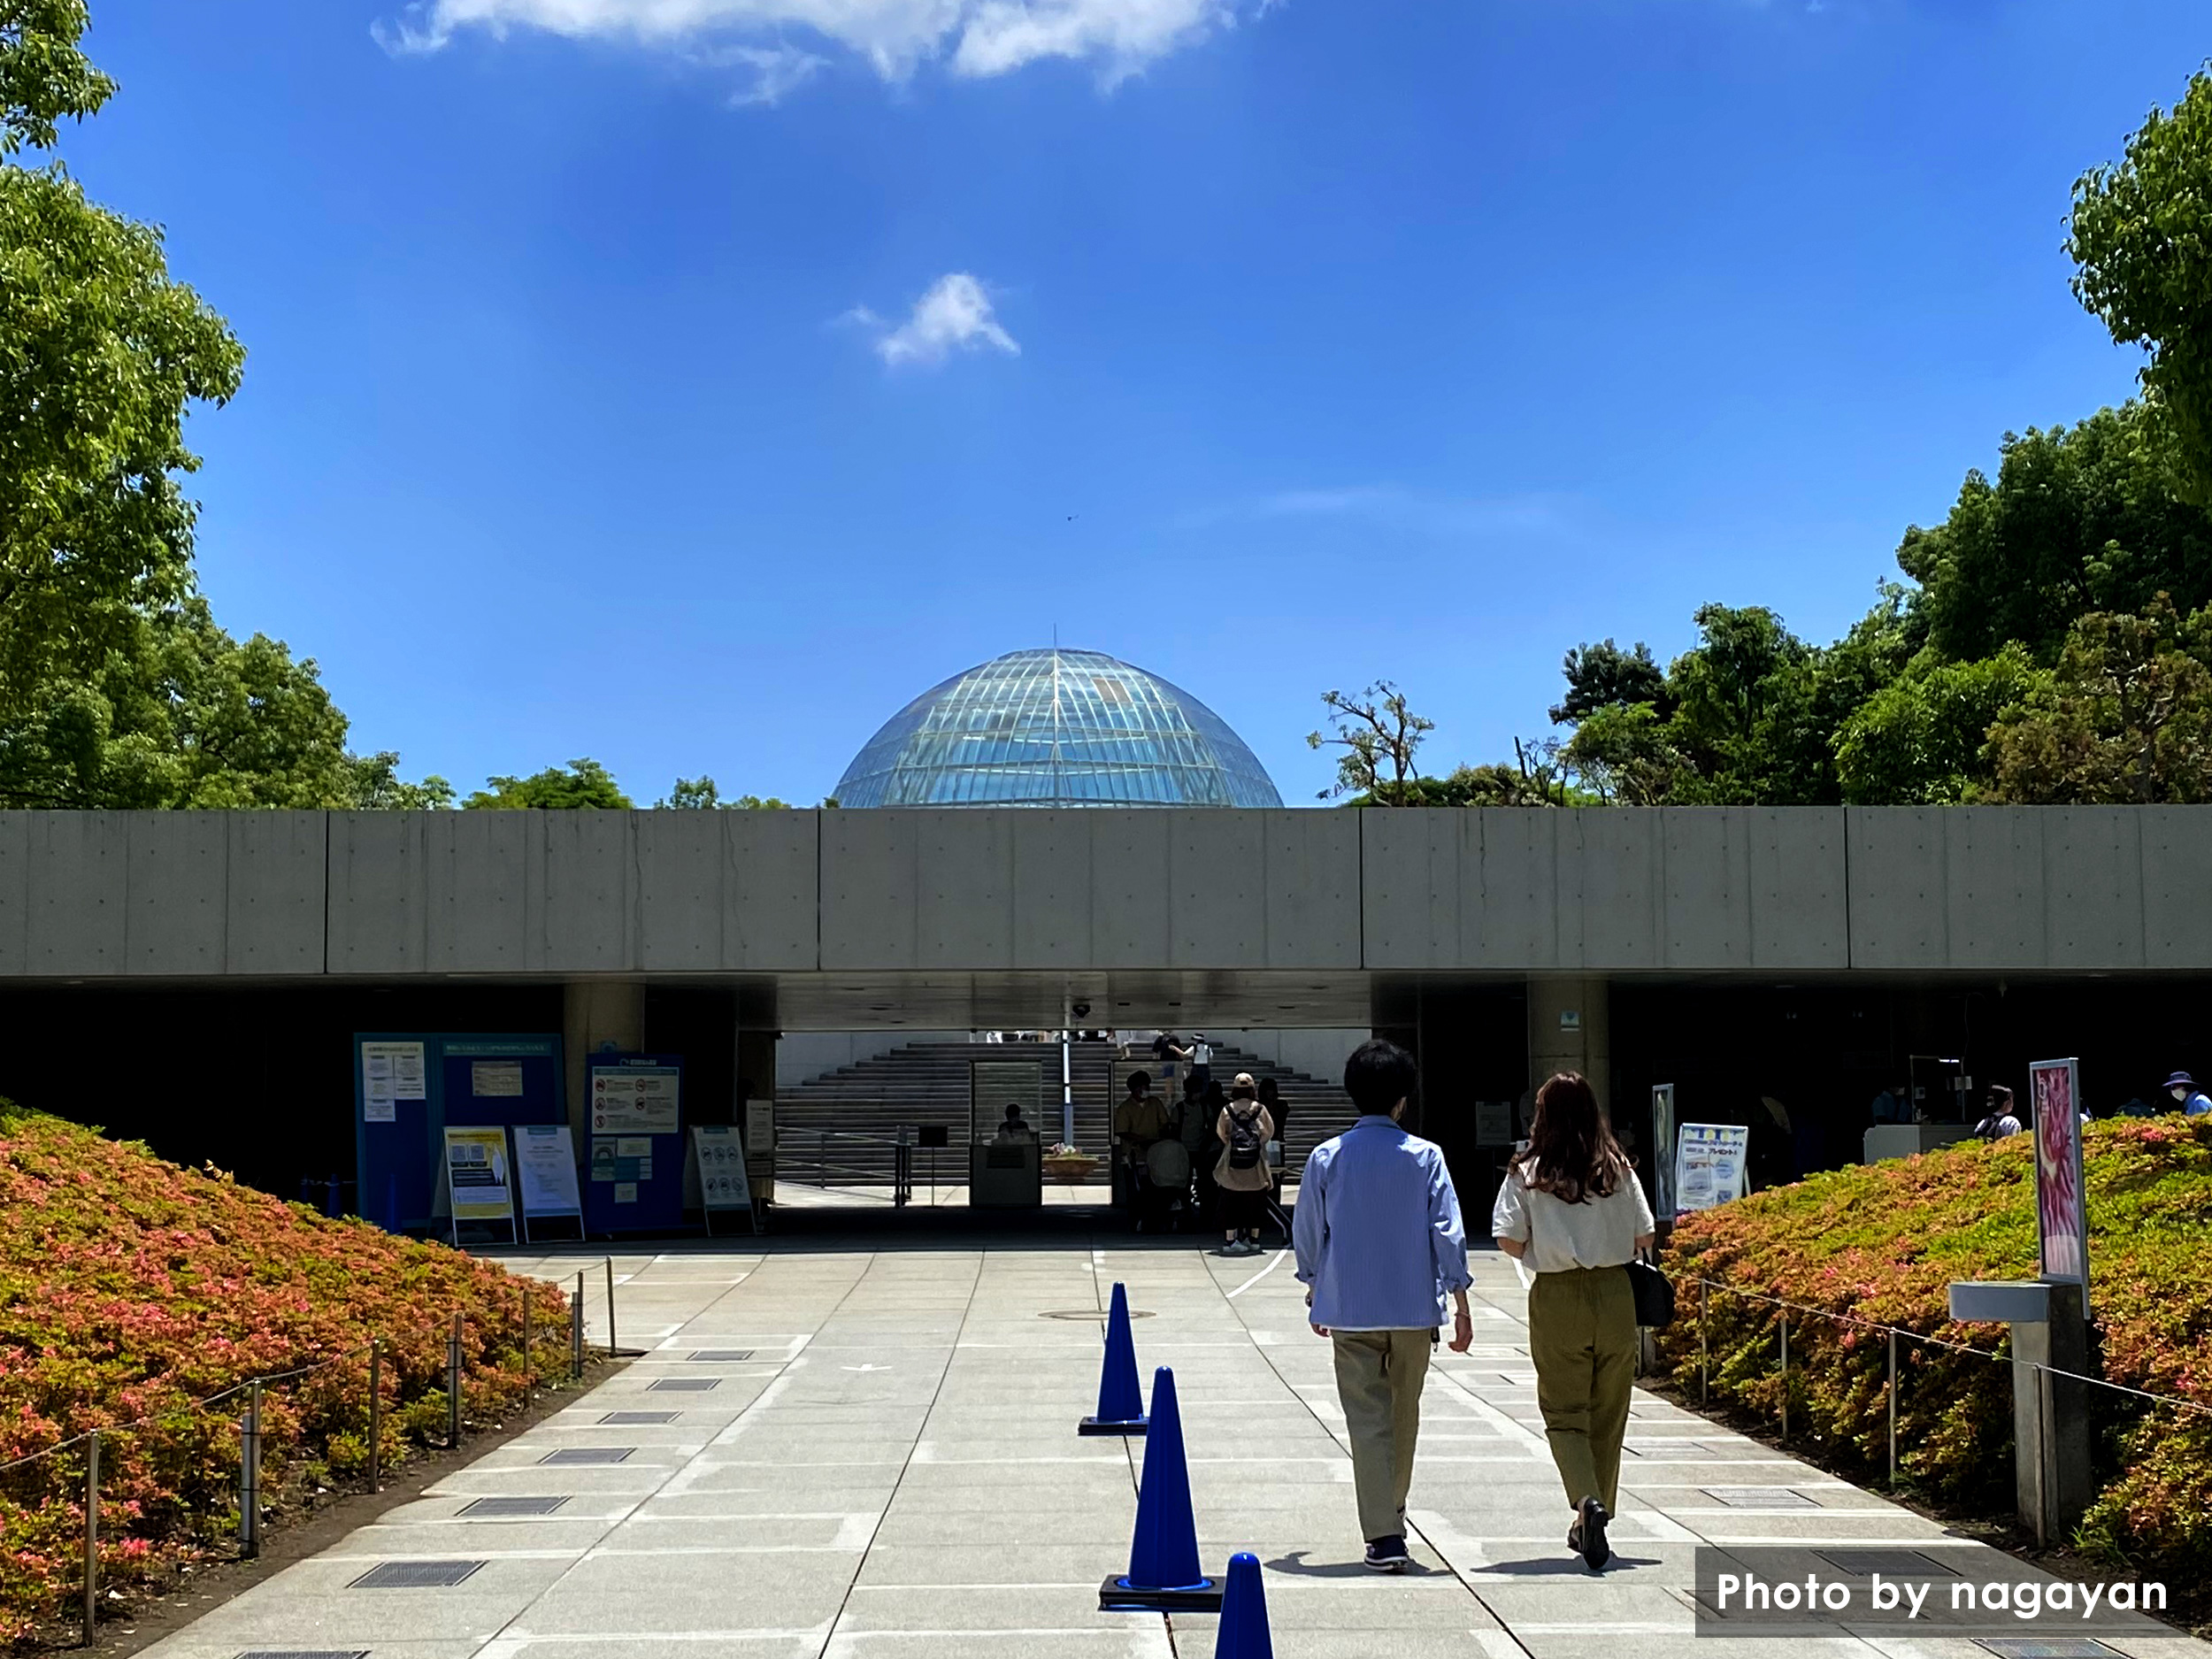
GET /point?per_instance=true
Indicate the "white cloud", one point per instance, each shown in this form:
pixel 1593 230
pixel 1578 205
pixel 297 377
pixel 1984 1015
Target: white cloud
pixel 977 37
pixel 955 315
pixel 776 71
pixel 1396 508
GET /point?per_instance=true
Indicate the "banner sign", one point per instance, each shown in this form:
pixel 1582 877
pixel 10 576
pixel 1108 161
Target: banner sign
pixel 1708 1165
pixel 477 1176
pixel 2060 1205
pixel 545 1170
pixel 1663 1149
pixel 634 1098
pixel 722 1184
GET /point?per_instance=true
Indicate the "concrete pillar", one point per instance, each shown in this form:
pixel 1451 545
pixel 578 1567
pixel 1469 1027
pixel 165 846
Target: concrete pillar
pixel 2050 1415
pixel 1569 1029
pixel 594 1014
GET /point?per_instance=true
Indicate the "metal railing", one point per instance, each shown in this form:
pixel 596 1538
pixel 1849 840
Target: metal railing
pixel 95 1460
pixel 1893 1333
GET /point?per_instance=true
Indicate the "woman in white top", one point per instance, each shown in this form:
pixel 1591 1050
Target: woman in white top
pixel 1572 1209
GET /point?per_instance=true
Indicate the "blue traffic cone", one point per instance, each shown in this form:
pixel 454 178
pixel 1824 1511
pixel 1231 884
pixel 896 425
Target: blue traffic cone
pixel 1243 1633
pixel 1164 1574
pixel 1120 1404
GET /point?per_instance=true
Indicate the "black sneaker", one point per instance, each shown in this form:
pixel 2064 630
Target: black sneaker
pixel 1591 1528
pixel 1387 1555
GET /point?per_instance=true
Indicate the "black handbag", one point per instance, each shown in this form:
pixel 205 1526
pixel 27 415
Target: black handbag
pixel 1655 1295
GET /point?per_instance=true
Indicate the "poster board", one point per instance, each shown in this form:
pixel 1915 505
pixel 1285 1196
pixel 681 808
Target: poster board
pixel 636 1157
pixel 479 1176
pixel 2061 1203
pixel 392 1071
pixel 1663 1150
pixel 545 1175
pixel 1493 1123
pixel 719 1154
pixel 1708 1165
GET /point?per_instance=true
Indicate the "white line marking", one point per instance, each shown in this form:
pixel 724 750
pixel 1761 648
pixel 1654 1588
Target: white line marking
pixel 1256 1278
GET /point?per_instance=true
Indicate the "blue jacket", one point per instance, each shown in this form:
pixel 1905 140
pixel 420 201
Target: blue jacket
pixel 1377 1231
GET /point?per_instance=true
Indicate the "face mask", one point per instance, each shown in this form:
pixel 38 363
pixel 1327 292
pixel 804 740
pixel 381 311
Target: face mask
pixel 2178 1092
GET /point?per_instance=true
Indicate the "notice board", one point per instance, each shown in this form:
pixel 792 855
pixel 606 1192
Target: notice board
pixel 634 1166
pixel 409 1087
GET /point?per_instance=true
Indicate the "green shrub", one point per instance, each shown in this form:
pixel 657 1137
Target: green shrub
pixel 1878 1245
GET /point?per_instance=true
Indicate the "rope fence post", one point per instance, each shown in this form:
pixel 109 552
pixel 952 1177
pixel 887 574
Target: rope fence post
pixel 1892 1405
pixel 376 1414
pixel 1786 1373
pixel 1704 1383
pixel 249 1474
pixel 453 1386
pixel 576 1333
pixel 611 1344
pixel 529 1377
pixel 91 1535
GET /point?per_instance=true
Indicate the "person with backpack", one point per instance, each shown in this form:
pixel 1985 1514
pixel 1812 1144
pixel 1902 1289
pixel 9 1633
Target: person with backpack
pixel 1242 1176
pixel 2001 1120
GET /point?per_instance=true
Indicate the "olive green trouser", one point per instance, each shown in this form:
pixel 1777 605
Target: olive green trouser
pixel 1582 1335
pixel 1379 1379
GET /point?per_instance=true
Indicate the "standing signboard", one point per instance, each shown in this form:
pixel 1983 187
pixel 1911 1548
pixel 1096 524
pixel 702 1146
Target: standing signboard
pixel 1708 1165
pixel 410 1086
pixel 724 1184
pixel 478 1180
pixel 2060 1204
pixel 633 1110
pixel 545 1175
pixel 1663 1150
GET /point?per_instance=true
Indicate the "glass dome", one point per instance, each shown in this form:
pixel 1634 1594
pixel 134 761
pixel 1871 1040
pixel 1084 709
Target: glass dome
pixel 1056 728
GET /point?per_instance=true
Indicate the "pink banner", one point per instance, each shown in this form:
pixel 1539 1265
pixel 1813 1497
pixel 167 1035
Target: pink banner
pixel 2062 1209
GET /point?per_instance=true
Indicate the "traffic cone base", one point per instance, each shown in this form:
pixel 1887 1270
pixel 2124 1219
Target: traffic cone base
pixel 1119 1595
pixel 1104 1425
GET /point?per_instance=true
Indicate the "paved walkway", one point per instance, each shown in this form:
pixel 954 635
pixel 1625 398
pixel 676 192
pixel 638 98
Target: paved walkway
pixel 873 1455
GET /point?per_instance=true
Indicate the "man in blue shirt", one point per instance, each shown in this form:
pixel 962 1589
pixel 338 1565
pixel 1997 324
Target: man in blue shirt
pixel 1380 1245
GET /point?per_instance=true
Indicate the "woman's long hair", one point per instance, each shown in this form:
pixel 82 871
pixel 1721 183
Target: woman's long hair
pixel 1571 1153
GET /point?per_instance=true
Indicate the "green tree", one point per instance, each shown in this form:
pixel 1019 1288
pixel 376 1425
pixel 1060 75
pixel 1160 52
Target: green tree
pixel 1604 675
pixel 2079 519
pixel 1920 740
pixel 2125 719
pixel 2140 236
pixel 1380 736
pixel 180 714
pixel 101 354
pixel 1624 755
pixel 582 783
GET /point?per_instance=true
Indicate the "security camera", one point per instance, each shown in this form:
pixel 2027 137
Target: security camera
pixel 1081 1010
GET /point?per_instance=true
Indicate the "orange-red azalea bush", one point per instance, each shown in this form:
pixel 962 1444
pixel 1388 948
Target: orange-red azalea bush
pixel 131 1288
pixel 1882 1244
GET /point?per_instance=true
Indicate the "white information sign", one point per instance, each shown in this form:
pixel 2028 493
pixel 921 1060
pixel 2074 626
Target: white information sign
pixel 495 1079
pixel 545 1169
pixel 634 1100
pixel 478 1182
pixel 724 1182
pixel 390 1073
pixel 1709 1164
pixel 1493 1123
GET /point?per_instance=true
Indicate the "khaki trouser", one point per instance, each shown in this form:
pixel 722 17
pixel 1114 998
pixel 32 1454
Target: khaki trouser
pixel 1379 1379
pixel 1582 1335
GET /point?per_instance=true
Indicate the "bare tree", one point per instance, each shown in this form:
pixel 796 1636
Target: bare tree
pixel 1379 735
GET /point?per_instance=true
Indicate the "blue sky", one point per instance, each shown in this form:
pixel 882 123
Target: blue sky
pixel 687 383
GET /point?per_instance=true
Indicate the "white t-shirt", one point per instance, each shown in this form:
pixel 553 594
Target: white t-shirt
pixel 1202 1052
pixel 1598 1233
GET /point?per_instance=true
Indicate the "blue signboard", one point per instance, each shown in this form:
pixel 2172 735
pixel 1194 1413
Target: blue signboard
pixel 633 1128
pixel 408 1086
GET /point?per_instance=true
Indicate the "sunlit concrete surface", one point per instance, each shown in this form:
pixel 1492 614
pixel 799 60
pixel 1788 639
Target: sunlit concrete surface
pixel 892 1472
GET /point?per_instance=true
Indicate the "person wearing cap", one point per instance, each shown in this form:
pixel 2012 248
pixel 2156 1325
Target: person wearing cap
pixel 1242 1177
pixel 2194 1101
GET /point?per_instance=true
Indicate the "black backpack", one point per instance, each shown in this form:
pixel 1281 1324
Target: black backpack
pixel 1245 1146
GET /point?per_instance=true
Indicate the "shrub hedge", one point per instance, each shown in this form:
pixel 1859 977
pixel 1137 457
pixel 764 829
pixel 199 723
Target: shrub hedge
pixel 131 1288
pixel 1882 1243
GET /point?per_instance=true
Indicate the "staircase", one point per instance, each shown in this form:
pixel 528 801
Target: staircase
pixel 833 1130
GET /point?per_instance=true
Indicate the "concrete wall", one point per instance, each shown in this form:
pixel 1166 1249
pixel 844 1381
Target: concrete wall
pixel 193 895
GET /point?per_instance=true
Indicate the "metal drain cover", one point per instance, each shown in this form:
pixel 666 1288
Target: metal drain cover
pixel 637 1419
pixel 574 1454
pixel 723 1355
pixel 1098 1314
pixel 1891 1564
pixel 305 1653
pixel 415 1575
pixel 492 1508
pixel 1759 1498
pixel 2048 1648
pixel 683 1384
